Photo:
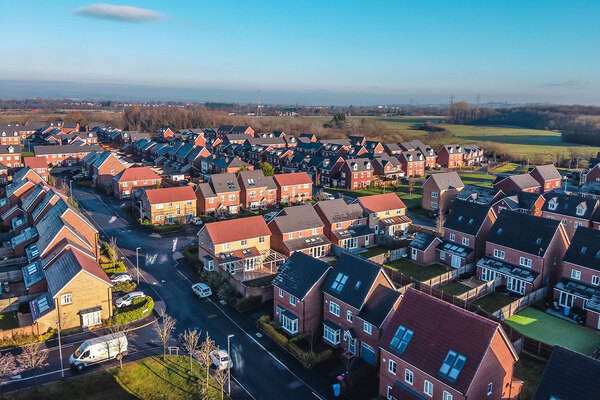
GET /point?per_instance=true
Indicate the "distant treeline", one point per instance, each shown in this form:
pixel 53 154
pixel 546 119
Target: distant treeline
pixel 578 124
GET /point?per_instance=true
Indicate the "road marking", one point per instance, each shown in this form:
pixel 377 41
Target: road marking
pixel 112 219
pixel 174 244
pixel 240 385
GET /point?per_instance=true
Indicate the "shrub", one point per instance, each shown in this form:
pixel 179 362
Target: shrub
pixel 138 310
pixel 114 267
pixel 23 340
pixel 278 337
pixel 244 304
pixel 109 252
pixel 124 287
pixel 228 293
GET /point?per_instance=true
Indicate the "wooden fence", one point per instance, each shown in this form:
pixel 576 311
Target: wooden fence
pixel 481 290
pixel 397 254
pixel 508 311
pixel 449 276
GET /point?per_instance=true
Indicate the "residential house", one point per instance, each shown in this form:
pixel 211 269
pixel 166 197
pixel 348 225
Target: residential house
pixel 229 129
pixel 387 167
pixel 525 252
pixel 547 176
pixel 423 248
pixel 257 190
pixel 294 187
pixel 524 202
pixel 374 147
pixel 219 195
pixel 427 151
pixel 329 170
pixel 593 175
pixel 386 213
pixel 299 228
pixel 165 133
pixel 439 190
pixel 38 164
pixel 104 168
pixel 473 154
pixel 133 179
pixel 393 149
pixel 519 183
pixel 169 205
pixel 345 224
pixel 433 349
pixel 10 135
pixel 573 211
pixel 412 162
pixel 62 155
pixel 356 173
pixel 10 155
pixel 479 194
pixel 451 156
pixel 298 295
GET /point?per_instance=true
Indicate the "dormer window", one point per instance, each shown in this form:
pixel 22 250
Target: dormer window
pixel 580 210
pixel 552 205
pixel 354 167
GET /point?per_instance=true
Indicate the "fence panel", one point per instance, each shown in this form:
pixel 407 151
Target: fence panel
pixel 511 309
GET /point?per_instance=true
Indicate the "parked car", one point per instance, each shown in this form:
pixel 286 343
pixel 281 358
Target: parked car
pixel 99 349
pixel 220 359
pixel 120 277
pixel 328 196
pixel 202 290
pixel 434 213
pixel 196 221
pixel 127 300
pixel 269 216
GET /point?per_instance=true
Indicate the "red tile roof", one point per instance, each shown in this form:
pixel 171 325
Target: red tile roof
pixel 136 174
pixel 439 327
pixel 381 202
pixel 165 195
pixel 91 266
pixel 35 162
pixel 237 229
pixel 296 178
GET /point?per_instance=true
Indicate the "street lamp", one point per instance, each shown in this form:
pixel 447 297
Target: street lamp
pixel 71 188
pixel 141 217
pixel 62 371
pixel 137 264
pixel 229 365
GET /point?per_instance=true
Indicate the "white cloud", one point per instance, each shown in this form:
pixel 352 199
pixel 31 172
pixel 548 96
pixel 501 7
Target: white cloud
pixel 119 13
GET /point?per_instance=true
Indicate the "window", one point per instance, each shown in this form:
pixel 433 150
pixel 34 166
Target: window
pixel 392 367
pixel 291 235
pixel 465 241
pixel 368 328
pixel 134 183
pixel 434 195
pixel 490 388
pixel 434 205
pixel 577 224
pixel 232 197
pixel 300 234
pixel 515 285
pixel 244 242
pixel 408 376
pixel 188 203
pixel 125 184
pixel 280 292
pixel 442 255
pixel 452 365
pixel 389 393
pixel 452 237
pixel 401 339
pixel 331 335
pixel 290 325
pixel 160 217
pixel 446 396
pixel 225 246
pixel 575 274
pixel 334 308
pixel 315 231
pixel 293 300
pixel 66 299
pixel 428 388
pixel 595 280
pixel 525 262
pixel 339 282
pixel 261 239
pixel 499 254
pixel 160 206
pixel 349 316
pixel 564 222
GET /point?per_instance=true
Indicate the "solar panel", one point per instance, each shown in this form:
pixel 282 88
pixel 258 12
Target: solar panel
pixel 43 304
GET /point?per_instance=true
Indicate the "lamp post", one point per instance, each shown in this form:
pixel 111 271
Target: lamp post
pixel 137 264
pixel 141 217
pixel 71 188
pixel 229 365
pixel 62 371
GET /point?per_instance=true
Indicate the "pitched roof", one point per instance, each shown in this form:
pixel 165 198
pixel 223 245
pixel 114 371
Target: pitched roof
pixel 69 265
pixel 466 217
pixel 296 178
pixel 508 231
pixel 362 164
pixel 584 249
pixel 136 174
pixel 299 273
pixel 524 181
pixel 292 219
pixel 379 305
pixel 255 179
pixel 223 183
pixel 338 211
pixel 381 202
pixel 446 180
pixel 547 172
pixel 65 149
pixel 422 241
pixel 439 327
pixel 569 375
pixel 165 195
pixel 567 204
pixel 524 200
pixel 237 229
pixel 476 193
pixel 359 274
pixel 35 162
pixel 6 149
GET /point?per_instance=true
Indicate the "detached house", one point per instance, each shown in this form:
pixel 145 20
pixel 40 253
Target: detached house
pixel 39 165
pixel 524 251
pixel 169 205
pixel 133 179
pixel 439 190
pixel 293 187
pixel 573 211
pixel 356 173
pixel 297 293
pixel 423 248
pixel 519 183
pixel 345 224
pixel 10 135
pixel 523 202
pixel 412 163
pixel 451 156
pixel 387 167
pixel 547 176
pixel 104 168
pixel 386 213
pixel 221 194
pixel 257 190
pixel 433 349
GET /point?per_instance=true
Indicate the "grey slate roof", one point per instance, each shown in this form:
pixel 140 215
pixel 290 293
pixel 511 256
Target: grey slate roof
pixel 300 273
pixel 65 149
pixel 338 211
pixel 584 249
pixel 466 217
pixel 223 183
pixel 447 180
pixel 16 149
pixel 569 376
pixel 379 305
pixel 422 241
pixel 567 204
pixel 361 275
pixel 61 271
pixel 258 178
pixel 548 172
pixel 296 218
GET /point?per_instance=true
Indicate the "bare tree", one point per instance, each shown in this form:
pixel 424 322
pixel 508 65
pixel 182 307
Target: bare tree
pixel 189 340
pixel 118 345
pixel 32 357
pixel 7 365
pixel 207 346
pixel 221 376
pixel 164 327
pixel 440 221
pixel 64 187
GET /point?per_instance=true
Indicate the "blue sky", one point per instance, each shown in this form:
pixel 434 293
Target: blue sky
pixel 393 51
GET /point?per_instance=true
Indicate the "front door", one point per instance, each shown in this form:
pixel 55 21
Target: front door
pixel 170 218
pixel 413 254
pixel 352 346
pixel 455 261
pixel 367 240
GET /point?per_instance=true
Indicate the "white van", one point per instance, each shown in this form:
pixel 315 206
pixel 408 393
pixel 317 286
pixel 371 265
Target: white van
pixel 99 349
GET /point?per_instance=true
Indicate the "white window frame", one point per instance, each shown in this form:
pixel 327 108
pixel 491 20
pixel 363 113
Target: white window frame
pixel 280 292
pixel 66 298
pixel 452 237
pixel 368 328
pixel 434 195
pixel 293 300
pixel 428 388
pixel 490 388
pixel 244 242
pixel 409 377
pixel 334 308
pixel 392 366
pixel 499 254
pixel 595 280
pixel 465 241
pixel 525 262
pixel 575 274
pixel 447 396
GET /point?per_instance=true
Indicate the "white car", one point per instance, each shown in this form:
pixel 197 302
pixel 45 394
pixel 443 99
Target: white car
pixel 328 196
pixel 201 290
pixel 121 277
pixel 127 300
pixel 221 359
pixel 269 216
pixel 196 221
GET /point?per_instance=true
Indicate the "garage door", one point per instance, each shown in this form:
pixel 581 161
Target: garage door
pixel 367 353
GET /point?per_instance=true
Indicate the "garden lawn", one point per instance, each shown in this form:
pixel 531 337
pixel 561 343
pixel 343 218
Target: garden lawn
pixel 415 271
pixel 509 167
pixel 494 301
pixel 477 179
pixel 455 288
pixel 374 251
pixel 555 331
pixel 8 321
pixel 530 371
pixel 412 201
pixel 148 378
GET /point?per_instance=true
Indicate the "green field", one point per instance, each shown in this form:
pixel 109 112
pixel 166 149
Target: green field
pixel 555 331
pixel 508 167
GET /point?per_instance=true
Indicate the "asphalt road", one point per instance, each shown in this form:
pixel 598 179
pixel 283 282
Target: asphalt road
pixel 261 370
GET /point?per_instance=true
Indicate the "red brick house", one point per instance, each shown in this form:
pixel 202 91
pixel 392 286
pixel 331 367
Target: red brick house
pixel 465 231
pixel 433 349
pixel 439 190
pixel 356 173
pixel 427 151
pixel 451 156
pixel 579 287
pixel 10 135
pixel 393 149
pixel 386 213
pixel 257 190
pixel 165 133
pixel 473 154
pixel 573 211
pixel 297 293
pixel 523 202
pixel 518 183
pixel 524 259
pixel 133 179
pixel 346 292
pixel 593 175
pixel 294 187
pixel 104 168
pixel 412 162
pixel 68 155
pixel 38 164
pixel 220 195
pixel 10 155
pixel 387 167
pixel 235 129
pixel 299 228
pixel 547 176
pixel 423 248
pixel 345 224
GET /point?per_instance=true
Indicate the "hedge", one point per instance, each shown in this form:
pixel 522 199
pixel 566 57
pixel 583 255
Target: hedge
pixel 138 310
pixel 109 251
pixel 23 340
pixel 114 267
pixel 124 287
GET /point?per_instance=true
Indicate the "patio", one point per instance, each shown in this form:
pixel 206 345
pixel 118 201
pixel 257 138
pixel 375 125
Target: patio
pixel 555 331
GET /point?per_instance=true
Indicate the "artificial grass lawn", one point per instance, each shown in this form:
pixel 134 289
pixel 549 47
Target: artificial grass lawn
pixel 8 321
pixel 415 271
pixel 555 331
pixel 529 370
pixel 494 301
pixel 509 167
pixel 148 378
pixel 455 288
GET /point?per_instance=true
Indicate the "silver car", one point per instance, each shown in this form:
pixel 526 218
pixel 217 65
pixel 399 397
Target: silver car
pixel 127 300
pixel 121 277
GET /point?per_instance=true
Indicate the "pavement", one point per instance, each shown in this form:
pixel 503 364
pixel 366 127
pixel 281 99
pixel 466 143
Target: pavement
pixel 261 369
